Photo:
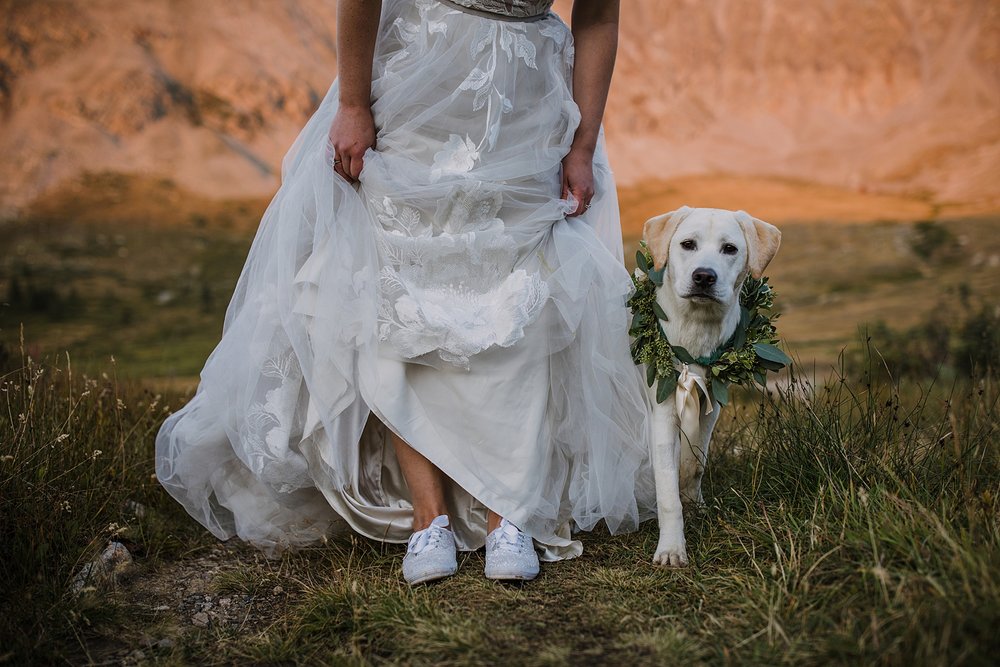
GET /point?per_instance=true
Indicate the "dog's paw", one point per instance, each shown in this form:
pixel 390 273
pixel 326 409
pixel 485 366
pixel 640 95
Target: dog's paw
pixel 671 554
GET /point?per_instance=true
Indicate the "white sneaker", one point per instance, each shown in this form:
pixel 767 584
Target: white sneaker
pixel 430 553
pixel 510 554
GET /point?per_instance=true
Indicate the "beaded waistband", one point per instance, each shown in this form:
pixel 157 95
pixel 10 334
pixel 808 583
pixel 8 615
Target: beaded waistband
pixel 494 15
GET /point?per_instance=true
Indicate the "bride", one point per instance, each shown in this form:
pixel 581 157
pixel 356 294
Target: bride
pixel 428 341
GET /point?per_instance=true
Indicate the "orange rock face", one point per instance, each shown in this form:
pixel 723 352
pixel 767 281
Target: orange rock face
pixel 898 96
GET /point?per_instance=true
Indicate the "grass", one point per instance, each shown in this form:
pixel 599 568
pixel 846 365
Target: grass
pixel 847 522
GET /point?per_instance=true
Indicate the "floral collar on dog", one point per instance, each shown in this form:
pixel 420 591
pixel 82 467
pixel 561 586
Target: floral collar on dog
pixel 744 359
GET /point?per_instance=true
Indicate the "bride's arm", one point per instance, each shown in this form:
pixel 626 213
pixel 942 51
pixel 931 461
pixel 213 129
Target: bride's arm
pixel 353 129
pixel 595 32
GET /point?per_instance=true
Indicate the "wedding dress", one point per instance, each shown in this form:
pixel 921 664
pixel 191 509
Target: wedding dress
pixel 447 294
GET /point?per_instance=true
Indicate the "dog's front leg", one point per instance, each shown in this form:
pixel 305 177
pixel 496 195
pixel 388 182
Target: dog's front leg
pixel 694 456
pixel 671 550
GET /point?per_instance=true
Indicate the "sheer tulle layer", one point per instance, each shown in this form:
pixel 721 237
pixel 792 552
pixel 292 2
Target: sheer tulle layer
pixel 446 294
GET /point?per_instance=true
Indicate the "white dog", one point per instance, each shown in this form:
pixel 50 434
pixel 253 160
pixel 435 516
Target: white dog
pixel 708 253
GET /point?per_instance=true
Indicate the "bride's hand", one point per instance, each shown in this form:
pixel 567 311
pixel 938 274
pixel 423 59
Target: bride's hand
pixel 578 178
pixel 351 134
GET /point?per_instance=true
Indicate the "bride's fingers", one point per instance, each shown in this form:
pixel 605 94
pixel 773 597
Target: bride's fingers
pixel 338 167
pixel 579 199
pixel 570 193
pixel 354 168
pixel 346 164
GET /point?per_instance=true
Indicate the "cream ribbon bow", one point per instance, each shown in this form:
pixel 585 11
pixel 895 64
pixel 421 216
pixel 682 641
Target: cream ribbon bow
pixel 686 401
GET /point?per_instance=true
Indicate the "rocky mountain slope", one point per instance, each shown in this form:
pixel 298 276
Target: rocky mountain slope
pixel 897 96
pixel 883 95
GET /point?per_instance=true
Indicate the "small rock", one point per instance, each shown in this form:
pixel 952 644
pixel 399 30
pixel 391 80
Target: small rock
pixel 114 564
pixel 225 602
pixel 200 619
pixel 277 590
pixel 166 642
pixel 138 510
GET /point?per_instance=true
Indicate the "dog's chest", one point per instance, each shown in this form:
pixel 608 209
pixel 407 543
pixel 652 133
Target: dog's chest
pixel 700 331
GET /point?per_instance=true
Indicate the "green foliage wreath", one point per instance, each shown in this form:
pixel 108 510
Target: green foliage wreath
pixel 744 359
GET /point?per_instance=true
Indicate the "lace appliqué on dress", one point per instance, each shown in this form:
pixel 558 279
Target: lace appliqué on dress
pixel 493 40
pixel 268 429
pixel 450 286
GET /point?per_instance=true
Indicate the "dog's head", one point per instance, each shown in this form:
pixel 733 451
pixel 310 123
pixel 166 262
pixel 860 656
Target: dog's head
pixel 709 252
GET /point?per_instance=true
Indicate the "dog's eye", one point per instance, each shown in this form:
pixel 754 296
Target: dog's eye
pixel 689 244
pixel 729 249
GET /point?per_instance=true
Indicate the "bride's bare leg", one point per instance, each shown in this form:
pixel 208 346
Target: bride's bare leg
pixel 425 481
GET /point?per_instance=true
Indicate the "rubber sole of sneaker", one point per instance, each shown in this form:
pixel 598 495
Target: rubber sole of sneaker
pixel 503 576
pixel 432 576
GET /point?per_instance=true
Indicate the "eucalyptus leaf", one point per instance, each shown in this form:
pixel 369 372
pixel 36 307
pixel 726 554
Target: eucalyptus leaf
pixel 640 260
pixel 770 365
pixel 683 355
pixel 658 311
pixel 739 338
pixel 665 387
pixel 720 391
pixel 656 275
pixel 771 353
pixel 650 374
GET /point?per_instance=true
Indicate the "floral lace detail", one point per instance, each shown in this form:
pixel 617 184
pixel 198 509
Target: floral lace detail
pixel 458 156
pixel 492 40
pixel 558 33
pixel 415 34
pixel 267 430
pixel 450 286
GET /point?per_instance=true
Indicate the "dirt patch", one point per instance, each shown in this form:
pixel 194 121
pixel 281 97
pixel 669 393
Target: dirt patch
pixel 228 589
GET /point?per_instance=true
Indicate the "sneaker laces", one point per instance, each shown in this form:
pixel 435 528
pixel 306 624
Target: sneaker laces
pixel 508 536
pixel 429 537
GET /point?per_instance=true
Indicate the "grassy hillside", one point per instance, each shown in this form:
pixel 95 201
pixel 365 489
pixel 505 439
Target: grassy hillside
pixel 139 270
pixel 94 272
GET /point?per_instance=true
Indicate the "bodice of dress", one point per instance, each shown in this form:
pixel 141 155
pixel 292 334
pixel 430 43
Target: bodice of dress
pixel 524 10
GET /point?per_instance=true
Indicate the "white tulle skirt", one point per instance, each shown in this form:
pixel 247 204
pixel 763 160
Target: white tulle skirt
pixel 447 294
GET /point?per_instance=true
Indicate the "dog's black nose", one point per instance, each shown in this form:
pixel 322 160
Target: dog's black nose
pixel 704 277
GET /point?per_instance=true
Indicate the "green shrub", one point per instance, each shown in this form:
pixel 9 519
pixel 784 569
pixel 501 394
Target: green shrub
pixel 932 242
pixel 977 349
pixel 954 339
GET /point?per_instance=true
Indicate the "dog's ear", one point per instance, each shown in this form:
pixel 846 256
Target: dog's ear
pixel 763 240
pixel 660 230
